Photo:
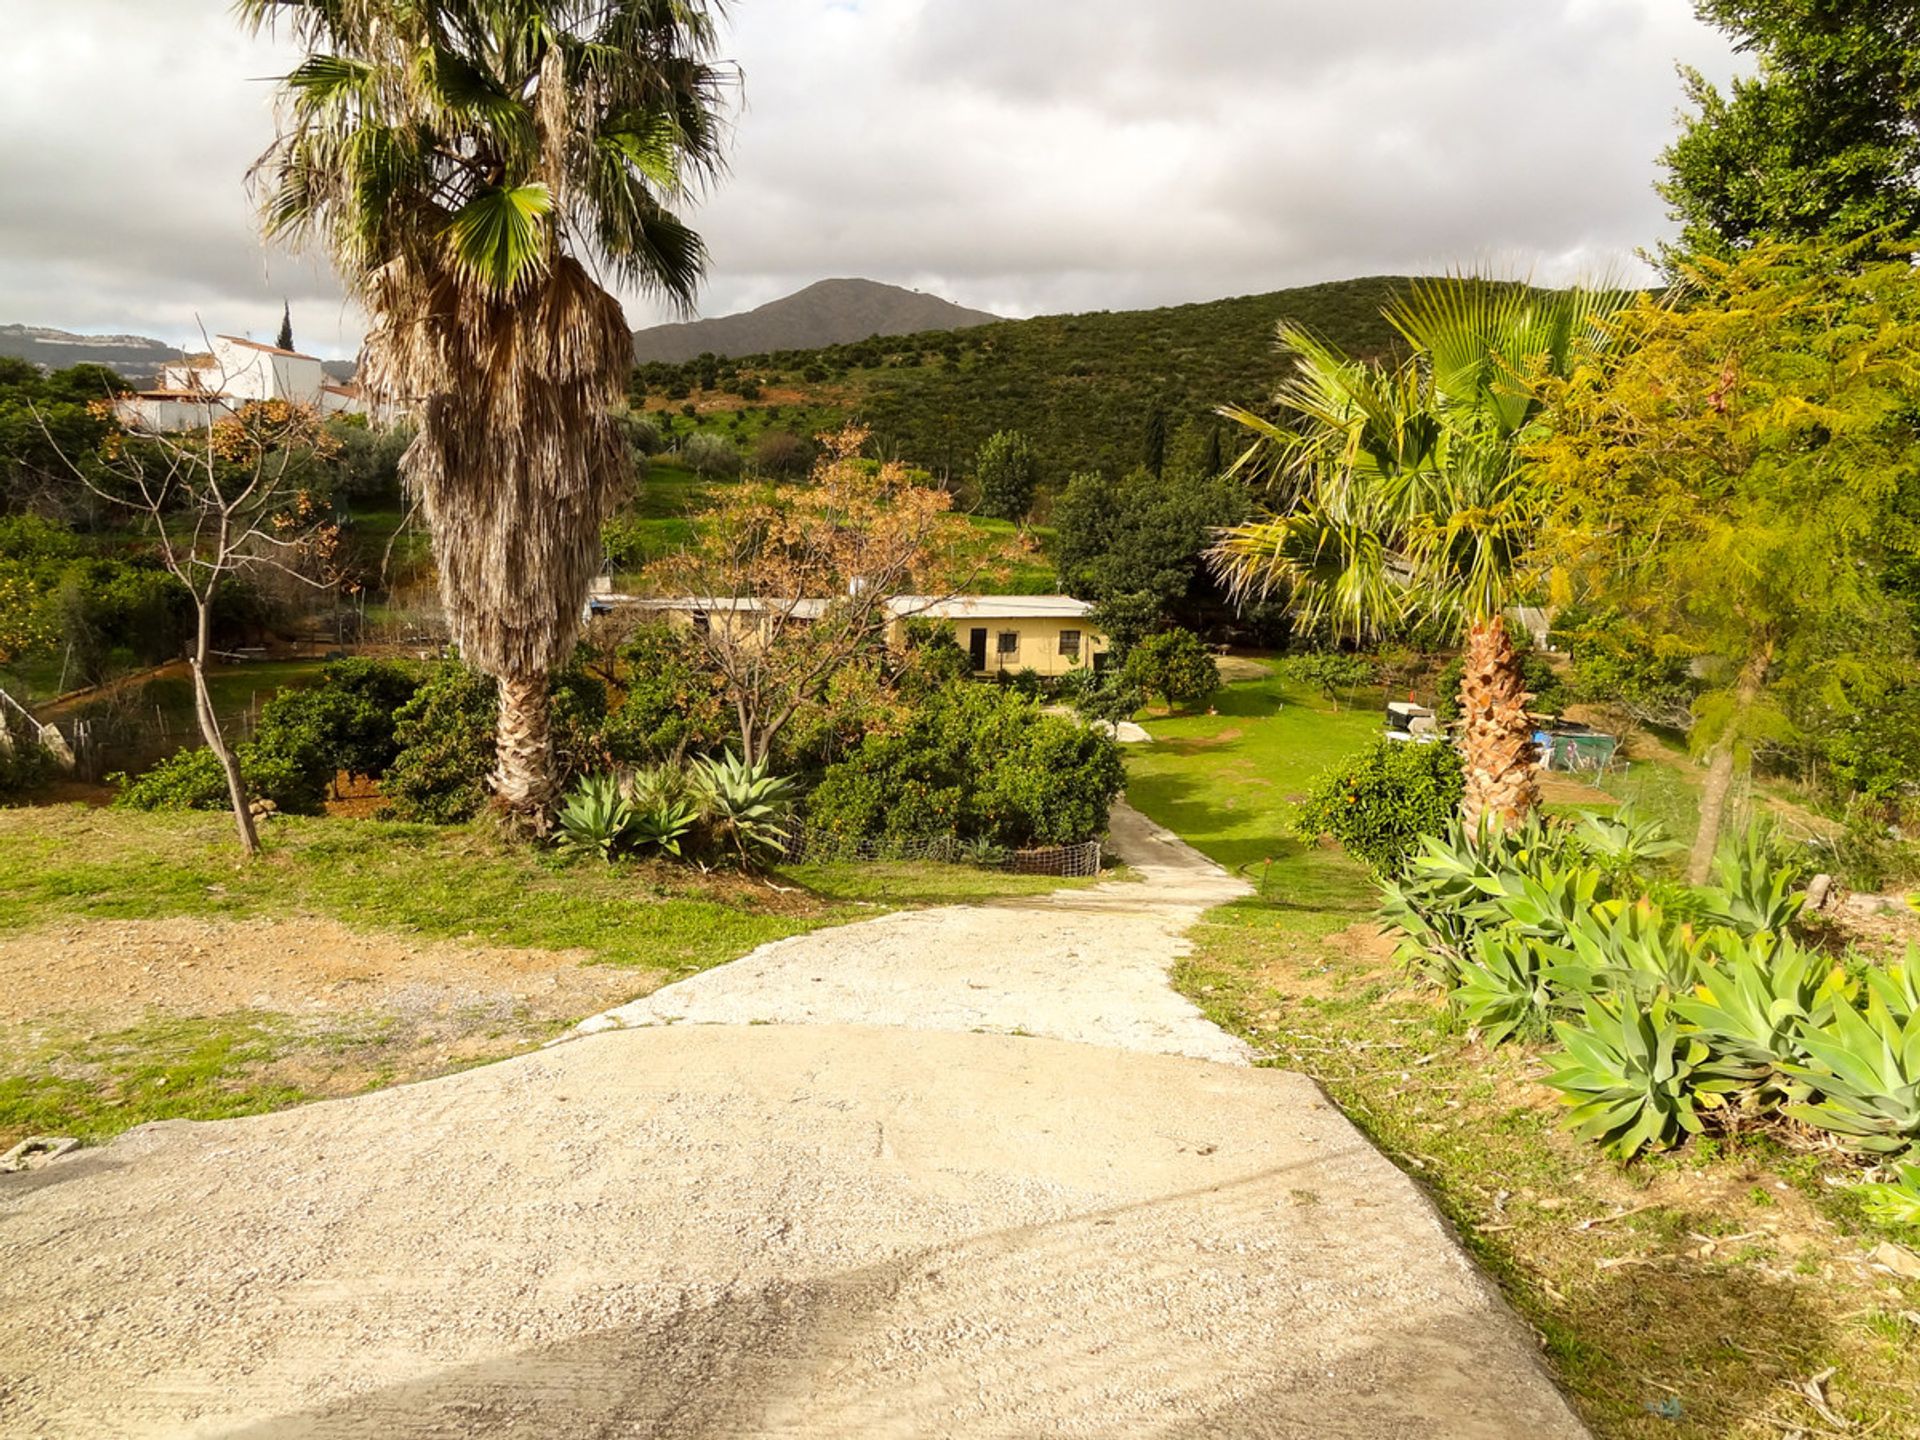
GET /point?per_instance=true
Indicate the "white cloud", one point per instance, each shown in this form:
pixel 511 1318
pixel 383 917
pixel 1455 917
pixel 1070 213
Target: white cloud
pixel 1019 155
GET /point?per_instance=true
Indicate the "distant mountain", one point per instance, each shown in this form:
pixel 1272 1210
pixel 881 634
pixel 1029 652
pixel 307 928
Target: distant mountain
pixel 830 312
pixel 136 357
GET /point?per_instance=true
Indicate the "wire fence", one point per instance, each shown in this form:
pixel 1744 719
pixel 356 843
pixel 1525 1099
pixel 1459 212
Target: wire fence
pixel 1066 862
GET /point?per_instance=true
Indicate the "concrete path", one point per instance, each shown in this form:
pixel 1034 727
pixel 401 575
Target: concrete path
pixel 819 1229
pixel 1085 965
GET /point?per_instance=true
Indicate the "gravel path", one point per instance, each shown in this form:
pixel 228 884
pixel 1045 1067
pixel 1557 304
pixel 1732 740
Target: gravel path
pixel 710 1231
pixel 1085 965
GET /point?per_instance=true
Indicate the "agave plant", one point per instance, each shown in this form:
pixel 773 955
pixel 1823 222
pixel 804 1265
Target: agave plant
pixel 1866 1068
pixel 745 805
pixel 1754 1003
pixel 1898 986
pixel 1756 892
pixel 1895 1201
pixel 596 816
pixel 1633 1077
pixel 663 824
pixel 1622 842
pixel 1633 949
pixel 1509 985
pixel 1552 902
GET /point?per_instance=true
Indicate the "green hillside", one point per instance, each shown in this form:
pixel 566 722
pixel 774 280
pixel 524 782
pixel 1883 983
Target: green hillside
pixel 1082 386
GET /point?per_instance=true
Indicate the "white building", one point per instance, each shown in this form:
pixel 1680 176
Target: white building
pixel 200 388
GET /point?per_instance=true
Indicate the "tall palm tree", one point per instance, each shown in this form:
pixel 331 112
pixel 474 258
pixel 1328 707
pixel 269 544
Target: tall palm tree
pixel 460 159
pixel 1399 494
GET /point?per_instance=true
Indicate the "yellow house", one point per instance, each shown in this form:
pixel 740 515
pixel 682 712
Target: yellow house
pixel 1005 634
pixel 1002 634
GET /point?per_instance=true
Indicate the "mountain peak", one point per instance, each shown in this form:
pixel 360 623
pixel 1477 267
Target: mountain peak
pixel 839 311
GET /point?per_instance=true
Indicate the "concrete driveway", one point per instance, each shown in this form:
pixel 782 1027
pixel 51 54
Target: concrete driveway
pixel 787 1229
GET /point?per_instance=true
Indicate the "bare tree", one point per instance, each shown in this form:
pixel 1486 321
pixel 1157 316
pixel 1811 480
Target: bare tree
pixel 792 583
pixel 225 496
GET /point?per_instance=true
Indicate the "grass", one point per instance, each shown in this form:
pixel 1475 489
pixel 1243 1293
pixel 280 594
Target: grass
pixel 92 1087
pixel 460 883
pixel 1687 1295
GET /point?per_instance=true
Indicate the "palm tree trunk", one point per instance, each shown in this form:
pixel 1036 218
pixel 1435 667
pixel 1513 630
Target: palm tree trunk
pixel 523 778
pixel 210 732
pixel 1496 739
pixel 1719 782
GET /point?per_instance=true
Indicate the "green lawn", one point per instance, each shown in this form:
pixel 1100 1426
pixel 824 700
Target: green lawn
pixel 1702 1285
pixel 452 882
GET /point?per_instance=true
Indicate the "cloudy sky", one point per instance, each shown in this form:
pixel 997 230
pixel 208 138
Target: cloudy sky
pixel 1022 156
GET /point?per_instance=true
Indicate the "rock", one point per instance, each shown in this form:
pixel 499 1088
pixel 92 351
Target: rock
pixel 1897 1258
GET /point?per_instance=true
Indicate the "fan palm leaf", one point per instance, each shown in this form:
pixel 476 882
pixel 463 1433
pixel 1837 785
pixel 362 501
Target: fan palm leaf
pixel 1400 494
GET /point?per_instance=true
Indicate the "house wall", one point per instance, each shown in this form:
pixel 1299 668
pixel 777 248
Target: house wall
pixel 241 371
pixel 1036 648
pixel 161 416
pixel 298 379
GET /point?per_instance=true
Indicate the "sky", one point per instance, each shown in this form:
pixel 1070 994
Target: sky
pixel 1019 156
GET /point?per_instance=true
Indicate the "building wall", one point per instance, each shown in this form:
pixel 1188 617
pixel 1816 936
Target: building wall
pixel 241 371
pixel 1036 643
pixel 162 416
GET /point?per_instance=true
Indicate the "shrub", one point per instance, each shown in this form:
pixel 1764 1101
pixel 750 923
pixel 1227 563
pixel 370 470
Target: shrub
pixel 345 722
pixel 674 702
pixel 1379 803
pixel 710 457
pixel 977 762
pixel 1174 663
pixel 193 780
pixel 445 737
pixel 783 454
pixel 1332 673
pixel 1008 474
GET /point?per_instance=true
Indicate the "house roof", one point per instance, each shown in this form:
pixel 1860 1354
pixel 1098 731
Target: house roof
pixel 270 349
pixel 989 607
pixel 903 607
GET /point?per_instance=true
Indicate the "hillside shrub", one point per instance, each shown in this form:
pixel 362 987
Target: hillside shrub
pixel 710 456
pixel 976 762
pixel 1007 472
pixel 1379 803
pixel 1334 674
pixel 1175 664
pixel 782 454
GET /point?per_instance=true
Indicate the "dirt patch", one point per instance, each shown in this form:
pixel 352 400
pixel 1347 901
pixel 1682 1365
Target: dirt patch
pixel 1559 789
pixel 117 971
pixel 1239 667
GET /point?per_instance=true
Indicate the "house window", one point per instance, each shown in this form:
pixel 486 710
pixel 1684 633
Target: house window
pixel 1070 644
pixel 1009 642
pixel 701 624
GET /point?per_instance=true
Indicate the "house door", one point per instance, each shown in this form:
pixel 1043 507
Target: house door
pixel 977 649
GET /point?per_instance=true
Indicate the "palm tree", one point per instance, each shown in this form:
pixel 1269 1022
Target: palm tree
pixel 459 159
pixel 1399 493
